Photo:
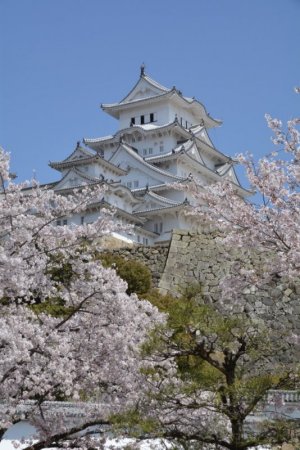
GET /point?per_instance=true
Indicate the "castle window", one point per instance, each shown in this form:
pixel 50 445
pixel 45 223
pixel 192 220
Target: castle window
pixel 129 184
pixel 142 120
pixel 145 241
pixel 161 148
pixel 145 151
pixel 150 151
pixel 65 222
pixel 151 117
pixel 132 121
pixel 136 183
pixel 82 220
pixel 158 227
pixel 58 223
pixel 138 238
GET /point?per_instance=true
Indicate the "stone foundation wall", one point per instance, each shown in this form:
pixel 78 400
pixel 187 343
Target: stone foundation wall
pixel 195 258
pixel 200 258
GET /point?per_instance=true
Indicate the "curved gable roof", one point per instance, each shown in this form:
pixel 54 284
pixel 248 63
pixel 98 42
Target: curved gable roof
pixel 143 83
pixel 130 151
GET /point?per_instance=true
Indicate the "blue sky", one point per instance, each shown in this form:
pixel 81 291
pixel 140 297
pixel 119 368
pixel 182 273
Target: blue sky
pixel 61 58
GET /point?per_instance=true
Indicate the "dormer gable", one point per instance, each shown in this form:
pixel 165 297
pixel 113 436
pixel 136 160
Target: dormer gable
pixel 144 88
pixel 75 179
pixel 79 153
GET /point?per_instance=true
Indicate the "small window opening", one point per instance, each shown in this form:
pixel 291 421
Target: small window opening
pixel 142 120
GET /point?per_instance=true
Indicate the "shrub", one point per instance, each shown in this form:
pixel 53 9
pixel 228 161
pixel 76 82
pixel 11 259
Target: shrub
pixel 136 274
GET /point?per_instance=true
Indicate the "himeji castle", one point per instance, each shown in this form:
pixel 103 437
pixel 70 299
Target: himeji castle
pixel 162 139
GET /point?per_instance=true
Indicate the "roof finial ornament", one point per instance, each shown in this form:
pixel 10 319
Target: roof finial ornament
pixel 78 144
pixel 143 69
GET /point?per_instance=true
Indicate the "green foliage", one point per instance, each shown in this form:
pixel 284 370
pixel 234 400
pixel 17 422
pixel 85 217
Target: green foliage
pixel 215 352
pixel 61 272
pixel 136 274
pixel 134 424
pixel 53 306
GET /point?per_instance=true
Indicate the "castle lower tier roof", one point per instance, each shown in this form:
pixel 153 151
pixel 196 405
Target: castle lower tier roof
pixel 167 209
pixel 61 165
pixel 175 125
pixel 143 128
pixel 157 187
pixel 146 232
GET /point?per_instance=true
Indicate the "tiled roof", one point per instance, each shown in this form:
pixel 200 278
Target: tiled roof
pixel 133 153
pixel 145 127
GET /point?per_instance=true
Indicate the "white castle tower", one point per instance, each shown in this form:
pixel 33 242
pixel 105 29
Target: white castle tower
pixel 162 139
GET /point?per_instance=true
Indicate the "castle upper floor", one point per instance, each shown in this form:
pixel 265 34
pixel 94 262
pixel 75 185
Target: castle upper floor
pixel 150 103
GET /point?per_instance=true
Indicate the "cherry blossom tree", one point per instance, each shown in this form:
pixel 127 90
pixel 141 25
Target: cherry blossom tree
pixel 68 330
pixel 272 224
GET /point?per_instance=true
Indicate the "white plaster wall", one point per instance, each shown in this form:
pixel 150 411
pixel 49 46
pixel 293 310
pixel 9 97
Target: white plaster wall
pixel 108 151
pixel 154 142
pixel 162 114
pixel 181 113
pixel 143 178
pixel 169 222
pixel 165 113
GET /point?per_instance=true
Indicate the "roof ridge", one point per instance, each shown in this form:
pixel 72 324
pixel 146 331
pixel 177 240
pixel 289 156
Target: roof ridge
pixel 133 127
pixel 164 199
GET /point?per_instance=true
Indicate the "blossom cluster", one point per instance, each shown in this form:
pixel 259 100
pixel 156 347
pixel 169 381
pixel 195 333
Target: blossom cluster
pixel 68 330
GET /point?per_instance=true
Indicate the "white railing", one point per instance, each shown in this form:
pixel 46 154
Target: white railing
pixel 285 395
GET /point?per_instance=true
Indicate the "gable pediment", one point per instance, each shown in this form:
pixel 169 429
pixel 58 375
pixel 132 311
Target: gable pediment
pixel 143 93
pixel 143 89
pixel 193 152
pixel 72 179
pixel 79 153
